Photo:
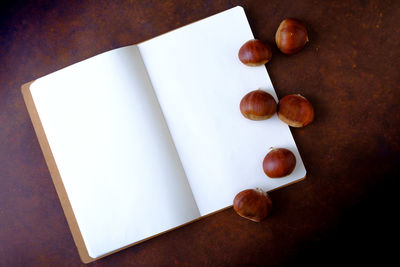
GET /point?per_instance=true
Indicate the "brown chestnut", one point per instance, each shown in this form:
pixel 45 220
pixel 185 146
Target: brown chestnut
pixel 295 110
pixel 253 204
pixel 255 53
pixel 291 36
pixel 258 105
pixel 279 162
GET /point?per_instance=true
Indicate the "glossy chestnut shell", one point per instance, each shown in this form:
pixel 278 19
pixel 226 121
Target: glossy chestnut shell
pixel 279 162
pixel 255 53
pixel 295 110
pixel 291 36
pixel 258 105
pixel 253 204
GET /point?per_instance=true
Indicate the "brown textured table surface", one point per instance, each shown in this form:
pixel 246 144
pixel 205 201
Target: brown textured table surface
pixel 345 211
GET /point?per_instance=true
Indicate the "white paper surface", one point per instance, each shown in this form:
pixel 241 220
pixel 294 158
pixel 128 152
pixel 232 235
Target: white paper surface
pixel 199 82
pixel 113 150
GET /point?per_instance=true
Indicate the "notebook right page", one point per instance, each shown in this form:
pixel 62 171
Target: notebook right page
pixel 199 82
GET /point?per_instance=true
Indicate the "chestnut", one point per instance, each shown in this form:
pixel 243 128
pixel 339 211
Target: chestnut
pixel 279 162
pixel 253 204
pixel 291 36
pixel 258 105
pixel 255 53
pixel 295 110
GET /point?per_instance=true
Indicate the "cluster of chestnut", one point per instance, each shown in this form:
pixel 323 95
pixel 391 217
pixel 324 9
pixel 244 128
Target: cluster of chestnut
pixel 294 110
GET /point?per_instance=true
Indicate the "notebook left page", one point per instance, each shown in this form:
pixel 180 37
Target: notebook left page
pixel 113 150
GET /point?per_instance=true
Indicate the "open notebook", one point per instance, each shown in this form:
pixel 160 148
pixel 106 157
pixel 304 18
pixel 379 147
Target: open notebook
pixel 145 138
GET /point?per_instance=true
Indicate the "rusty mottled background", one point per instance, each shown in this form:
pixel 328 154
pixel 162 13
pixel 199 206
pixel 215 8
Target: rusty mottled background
pixel 344 212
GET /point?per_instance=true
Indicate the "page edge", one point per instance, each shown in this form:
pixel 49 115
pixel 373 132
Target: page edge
pixel 54 173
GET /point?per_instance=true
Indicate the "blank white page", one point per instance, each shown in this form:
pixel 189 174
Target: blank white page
pixel 199 82
pixel 113 150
